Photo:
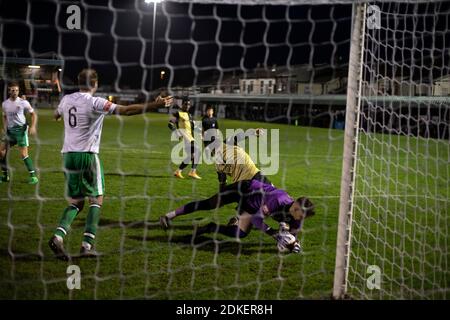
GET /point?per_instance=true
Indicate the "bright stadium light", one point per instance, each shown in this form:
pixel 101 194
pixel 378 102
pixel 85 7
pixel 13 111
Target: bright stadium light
pixel 155 2
pixel 34 67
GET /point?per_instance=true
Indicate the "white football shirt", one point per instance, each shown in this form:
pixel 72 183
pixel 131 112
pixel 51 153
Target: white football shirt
pixel 83 121
pixel 15 111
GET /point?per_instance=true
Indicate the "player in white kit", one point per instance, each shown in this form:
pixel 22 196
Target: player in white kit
pixel 83 116
pixel 16 131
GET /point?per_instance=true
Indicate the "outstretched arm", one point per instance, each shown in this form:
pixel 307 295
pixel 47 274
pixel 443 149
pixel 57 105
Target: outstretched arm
pixel 258 222
pixel 56 115
pixel 134 109
pixel 34 118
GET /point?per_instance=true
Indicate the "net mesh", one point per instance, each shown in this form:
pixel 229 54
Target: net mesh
pixel 273 64
pixel 400 213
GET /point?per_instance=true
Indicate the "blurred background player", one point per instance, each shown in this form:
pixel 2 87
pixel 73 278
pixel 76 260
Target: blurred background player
pixel 256 201
pixel 83 121
pixel 209 122
pixel 184 124
pixel 16 131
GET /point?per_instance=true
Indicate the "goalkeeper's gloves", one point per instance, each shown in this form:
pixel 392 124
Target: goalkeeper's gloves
pixel 296 248
pixel 281 237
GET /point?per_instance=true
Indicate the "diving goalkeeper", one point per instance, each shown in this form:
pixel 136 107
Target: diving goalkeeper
pixel 256 201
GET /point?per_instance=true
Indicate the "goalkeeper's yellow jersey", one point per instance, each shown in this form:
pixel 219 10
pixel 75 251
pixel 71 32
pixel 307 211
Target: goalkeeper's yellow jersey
pixel 236 163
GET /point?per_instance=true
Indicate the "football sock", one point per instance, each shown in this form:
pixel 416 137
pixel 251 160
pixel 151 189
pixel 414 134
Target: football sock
pixel 92 219
pixel 182 166
pixel 170 215
pixel 207 204
pixel 67 218
pixel 29 164
pixel 178 212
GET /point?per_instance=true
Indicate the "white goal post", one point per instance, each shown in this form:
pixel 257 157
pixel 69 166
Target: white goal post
pixel 393 213
pixel 394 185
pixel 350 152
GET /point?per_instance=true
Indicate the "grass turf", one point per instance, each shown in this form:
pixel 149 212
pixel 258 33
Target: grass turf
pixel 139 260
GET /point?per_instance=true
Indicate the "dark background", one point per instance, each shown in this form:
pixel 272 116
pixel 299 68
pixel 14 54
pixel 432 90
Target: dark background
pixel 203 43
pixel 194 42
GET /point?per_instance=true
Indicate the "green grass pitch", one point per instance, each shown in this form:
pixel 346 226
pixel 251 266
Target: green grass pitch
pixel 139 260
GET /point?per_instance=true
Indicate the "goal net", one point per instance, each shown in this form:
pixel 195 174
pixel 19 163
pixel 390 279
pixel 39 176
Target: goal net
pixel 278 65
pixel 396 207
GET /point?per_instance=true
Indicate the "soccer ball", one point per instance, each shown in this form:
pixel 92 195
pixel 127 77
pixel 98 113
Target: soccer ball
pixel 286 242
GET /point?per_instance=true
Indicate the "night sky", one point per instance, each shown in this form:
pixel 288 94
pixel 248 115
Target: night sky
pixel 195 40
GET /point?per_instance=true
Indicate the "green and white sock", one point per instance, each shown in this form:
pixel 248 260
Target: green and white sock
pixel 67 218
pixel 92 219
pixel 29 164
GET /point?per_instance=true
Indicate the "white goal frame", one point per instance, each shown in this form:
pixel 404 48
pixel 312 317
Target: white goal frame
pixel 350 152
